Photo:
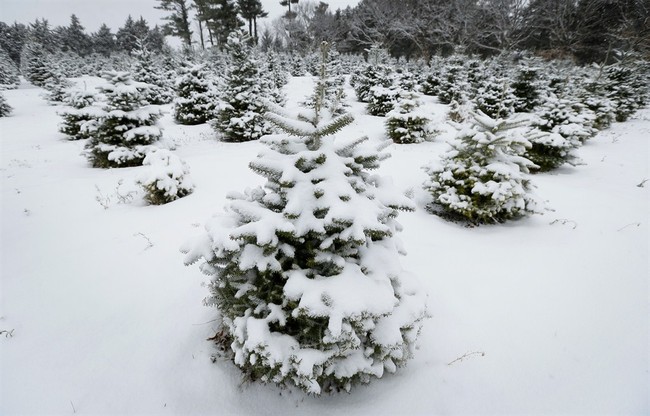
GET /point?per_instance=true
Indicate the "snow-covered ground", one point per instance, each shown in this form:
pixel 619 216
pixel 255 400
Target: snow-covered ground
pixel 546 315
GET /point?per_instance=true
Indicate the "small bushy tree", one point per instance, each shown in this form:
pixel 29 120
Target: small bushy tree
pixel 166 178
pixel 8 72
pixel 382 100
pixel 127 127
pixel 5 108
pixel 196 100
pixel 80 119
pixel 406 123
pixel 240 117
pixel 495 97
pixel 35 65
pixel 146 70
pixel 305 270
pixel 482 178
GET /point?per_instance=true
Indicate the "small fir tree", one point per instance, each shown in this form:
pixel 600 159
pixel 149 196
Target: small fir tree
pixel 35 65
pixel 382 100
pixel 127 127
pixel 375 73
pixel 405 124
pixel 495 97
pixel 620 89
pixel 240 117
pixel 80 112
pixel 196 100
pixel 8 72
pixel 166 179
pixel 57 88
pixel 5 108
pixel 146 70
pixel 452 85
pixel 550 150
pixel 286 261
pixel 568 118
pixel 525 89
pixel 431 83
pixel 482 178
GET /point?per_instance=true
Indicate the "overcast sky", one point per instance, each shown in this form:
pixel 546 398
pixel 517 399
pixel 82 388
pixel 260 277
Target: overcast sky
pixel 93 13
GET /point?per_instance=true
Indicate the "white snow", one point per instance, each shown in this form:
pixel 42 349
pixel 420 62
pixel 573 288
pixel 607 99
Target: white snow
pixel 550 313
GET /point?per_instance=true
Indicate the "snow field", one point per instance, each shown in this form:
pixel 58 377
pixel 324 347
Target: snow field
pixel 551 310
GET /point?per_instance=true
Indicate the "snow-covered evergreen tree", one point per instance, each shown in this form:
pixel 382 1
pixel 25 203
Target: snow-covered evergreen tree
pixel 305 270
pixel 569 118
pixel 331 85
pixel 525 88
pixel 621 91
pixel 430 84
pixel 382 99
pixel 550 150
pixel 166 178
pixel 146 70
pixel 594 97
pixel 276 77
pixel 406 123
pixel 5 108
pixel 375 73
pixel 196 100
pixel 127 127
pixel 8 72
pixel 452 84
pixel 57 88
pixel 482 177
pixel 80 119
pixel 495 97
pixel 35 65
pixel 240 117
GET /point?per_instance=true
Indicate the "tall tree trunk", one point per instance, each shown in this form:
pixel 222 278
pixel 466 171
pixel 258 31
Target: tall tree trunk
pixel 201 33
pixel 255 28
pixel 250 27
pixel 210 35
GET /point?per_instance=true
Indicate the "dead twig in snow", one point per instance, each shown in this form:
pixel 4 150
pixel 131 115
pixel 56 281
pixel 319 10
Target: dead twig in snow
pixel 467 355
pixel 638 224
pixel 8 334
pixel 149 243
pixel 564 221
pixel 642 183
pixel 73 409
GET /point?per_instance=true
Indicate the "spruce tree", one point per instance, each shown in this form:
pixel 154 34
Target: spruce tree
pixel 482 177
pixel 382 99
pixel 5 108
pixel 620 89
pixel 196 100
pixel 35 65
pixel 495 97
pixel 305 270
pixel 406 123
pixel 8 72
pixel 127 128
pixel 240 118
pixel 148 71
pixel 56 88
pixel 452 84
pixel 525 88
pixel 80 119
pixel 559 131
pixel 166 179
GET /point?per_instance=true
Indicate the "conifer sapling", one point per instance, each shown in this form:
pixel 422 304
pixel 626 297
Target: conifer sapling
pixel 305 270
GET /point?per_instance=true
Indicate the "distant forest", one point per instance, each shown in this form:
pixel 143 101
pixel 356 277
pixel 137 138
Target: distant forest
pixel 584 30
